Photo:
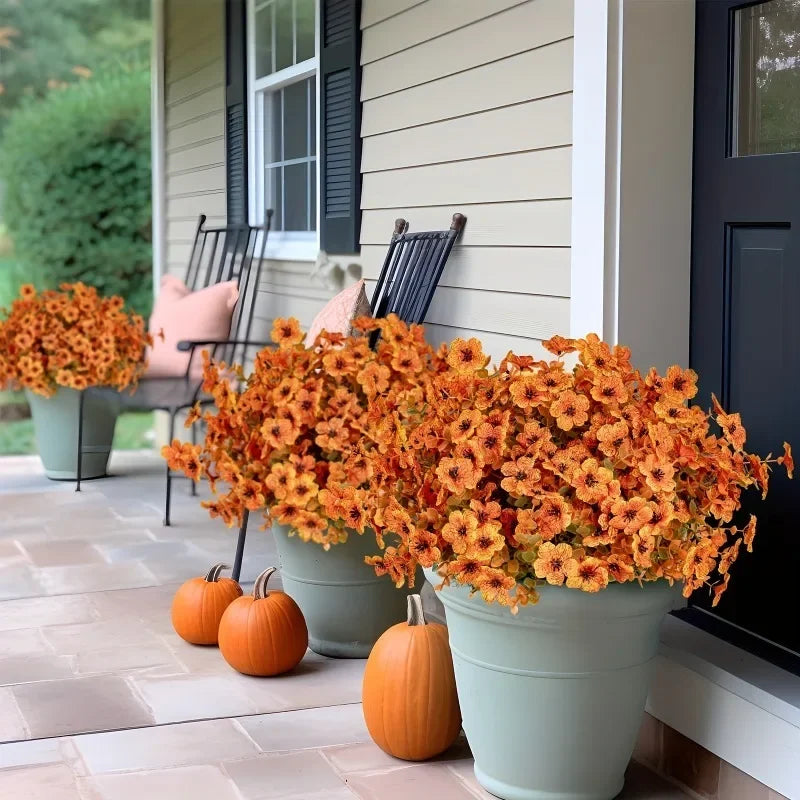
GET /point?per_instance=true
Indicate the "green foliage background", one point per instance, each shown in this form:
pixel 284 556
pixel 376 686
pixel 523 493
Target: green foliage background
pixel 46 42
pixel 76 166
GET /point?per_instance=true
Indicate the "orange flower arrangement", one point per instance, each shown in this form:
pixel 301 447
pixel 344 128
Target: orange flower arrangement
pixel 536 473
pixel 72 338
pixel 297 425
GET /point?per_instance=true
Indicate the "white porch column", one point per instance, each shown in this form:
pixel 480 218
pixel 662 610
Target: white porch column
pixel 632 133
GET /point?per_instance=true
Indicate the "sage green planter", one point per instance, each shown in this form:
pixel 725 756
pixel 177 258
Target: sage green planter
pixel 55 426
pixel 346 605
pixel 552 698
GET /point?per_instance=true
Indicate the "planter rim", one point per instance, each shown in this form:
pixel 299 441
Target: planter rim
pixel 560 606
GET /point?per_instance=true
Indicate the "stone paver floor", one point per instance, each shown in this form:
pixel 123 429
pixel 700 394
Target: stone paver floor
pixel 100 700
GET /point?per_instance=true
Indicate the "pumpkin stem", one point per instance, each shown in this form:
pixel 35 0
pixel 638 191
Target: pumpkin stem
pixel 260 588
pixel 215 571
pixel 415 613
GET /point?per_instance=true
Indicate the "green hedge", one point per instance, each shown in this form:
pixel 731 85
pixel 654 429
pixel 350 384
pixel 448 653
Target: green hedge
pixel 77 171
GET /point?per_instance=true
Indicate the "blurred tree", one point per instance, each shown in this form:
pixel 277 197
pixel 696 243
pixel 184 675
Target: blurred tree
pixel 48 43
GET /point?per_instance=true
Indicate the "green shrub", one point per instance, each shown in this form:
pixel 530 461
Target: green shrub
pixel 77 171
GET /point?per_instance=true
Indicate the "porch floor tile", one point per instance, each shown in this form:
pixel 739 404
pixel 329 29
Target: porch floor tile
pixel 100 700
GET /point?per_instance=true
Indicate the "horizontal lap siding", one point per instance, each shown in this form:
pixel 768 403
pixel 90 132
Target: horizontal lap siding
pixel 467 106
pixel 195 159
pixel 195 119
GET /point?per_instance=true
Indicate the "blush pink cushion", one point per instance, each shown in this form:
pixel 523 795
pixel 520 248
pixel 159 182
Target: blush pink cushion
pixel 339 313
pixel 185 315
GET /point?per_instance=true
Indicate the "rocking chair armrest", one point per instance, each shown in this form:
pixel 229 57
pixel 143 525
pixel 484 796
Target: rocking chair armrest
pixel 189 345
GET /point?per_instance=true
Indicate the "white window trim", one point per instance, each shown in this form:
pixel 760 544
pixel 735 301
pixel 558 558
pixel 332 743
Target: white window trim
pixel 281 245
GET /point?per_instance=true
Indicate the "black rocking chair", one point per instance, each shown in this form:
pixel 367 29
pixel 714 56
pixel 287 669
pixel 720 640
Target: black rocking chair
pixel 408 279
pixel 235 252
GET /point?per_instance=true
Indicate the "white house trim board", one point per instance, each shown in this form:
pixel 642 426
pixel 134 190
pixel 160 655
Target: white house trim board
pixel 592 162
pixel 157 143
pixel 631 174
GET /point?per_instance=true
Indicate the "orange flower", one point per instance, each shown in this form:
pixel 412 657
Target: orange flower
pixel 466 356
pixel 465 570
pixel 749 533
pixel 485 542
pixel 619 569
pixel 374 378
pixel 457 474
pixel 524 392
pixel 732 429
pixel 338 362
pixel 658 474
pixel 588 575
pixel 643 546
pixel 591 481
pixel 286 332
pixel 281 480
pixel 681 382
pixel 522 477
pixel 569 410
pixel 609 389
pixel 495 586
pixel 278 432
pixel 461 526
pixel 552 561
pixel 423 546
pixel 630 516
pixel 464 427
pixel 787 460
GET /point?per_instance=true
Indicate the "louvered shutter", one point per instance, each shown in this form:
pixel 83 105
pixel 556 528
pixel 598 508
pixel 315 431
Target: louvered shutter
pixel 236 110
pixel 340 125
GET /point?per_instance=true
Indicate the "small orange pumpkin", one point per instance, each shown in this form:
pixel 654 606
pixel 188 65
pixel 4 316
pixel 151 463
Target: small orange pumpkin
pixel 409 692
pixel 199 604
pixel 265 634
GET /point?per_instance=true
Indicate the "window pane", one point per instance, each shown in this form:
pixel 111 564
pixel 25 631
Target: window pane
pixel 284 35
pixel 272 191
pixel 272 127
pixel 305 29
pixel 312 101
pixel 767 78
pixel 263 36
pixel 295 120
pixel 295 193
pixel 312 179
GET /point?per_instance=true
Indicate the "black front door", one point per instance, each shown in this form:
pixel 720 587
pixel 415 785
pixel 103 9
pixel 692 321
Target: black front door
pixel 745 304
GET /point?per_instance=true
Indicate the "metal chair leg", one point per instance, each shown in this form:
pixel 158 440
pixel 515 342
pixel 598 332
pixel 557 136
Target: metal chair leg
pixel 237 563
pixel 169 472
pixel 79 466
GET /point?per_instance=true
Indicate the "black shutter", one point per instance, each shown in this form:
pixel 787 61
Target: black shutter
pixel 236 110
pixel 340 125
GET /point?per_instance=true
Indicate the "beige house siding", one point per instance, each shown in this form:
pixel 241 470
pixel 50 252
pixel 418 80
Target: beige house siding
pixel 467 106
pixel 195 158
pixel 194 77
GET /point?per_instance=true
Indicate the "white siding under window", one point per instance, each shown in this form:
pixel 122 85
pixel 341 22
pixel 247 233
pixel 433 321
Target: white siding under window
pixel 467 106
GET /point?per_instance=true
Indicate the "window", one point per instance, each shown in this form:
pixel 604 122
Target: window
pixel 282 66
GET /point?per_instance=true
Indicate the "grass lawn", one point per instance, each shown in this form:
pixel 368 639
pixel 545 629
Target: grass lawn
pixel 133 432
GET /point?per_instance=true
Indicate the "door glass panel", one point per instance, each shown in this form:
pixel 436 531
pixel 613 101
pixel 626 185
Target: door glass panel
pixel 766 96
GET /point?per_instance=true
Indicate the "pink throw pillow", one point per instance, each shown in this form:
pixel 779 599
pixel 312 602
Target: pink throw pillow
pixel 339 313
pixel 186 315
